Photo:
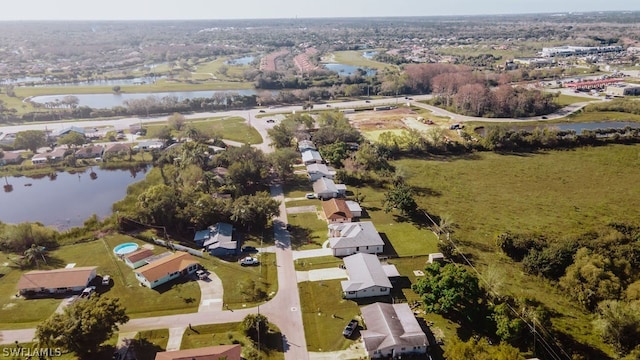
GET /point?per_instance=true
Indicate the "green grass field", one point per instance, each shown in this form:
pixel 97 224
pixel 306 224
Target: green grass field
pixel 560 193
pixel 228 334
pixel 150 342
pixel 564 100
pixel 307 231
pixel 325 314
pixel 231 128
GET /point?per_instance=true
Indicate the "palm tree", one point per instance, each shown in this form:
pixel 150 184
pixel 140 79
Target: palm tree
pixel 34 253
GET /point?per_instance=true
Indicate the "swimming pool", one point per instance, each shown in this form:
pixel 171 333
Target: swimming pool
pixel 125 248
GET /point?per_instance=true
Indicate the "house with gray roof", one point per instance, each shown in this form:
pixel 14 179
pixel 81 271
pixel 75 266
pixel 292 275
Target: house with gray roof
pixel 149 145
pixel 392 331
pixel 10 157
pixel 56 155
pixel 217 239
pixel 67 130
pixel 367 277
pixel 311 157
pixel 317 171
pixel 325 188
pixel 357 237
pixel 304 145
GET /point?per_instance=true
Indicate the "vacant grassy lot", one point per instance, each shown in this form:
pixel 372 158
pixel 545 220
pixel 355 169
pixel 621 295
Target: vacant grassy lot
pixel 307 230
pixel 325 314
pixel 564 100
pixel 588 116
pixel 558 193
pixel 298 186
pixel 231 128
pixel 241 282
pixel 228 334
pixel 150 342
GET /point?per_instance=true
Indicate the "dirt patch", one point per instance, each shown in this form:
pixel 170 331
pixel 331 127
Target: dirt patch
pixel 8 306
pixel 381 120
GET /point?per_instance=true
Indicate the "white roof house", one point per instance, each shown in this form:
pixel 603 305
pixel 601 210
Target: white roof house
pixel 392 330
pixel 354 208
pixel 317 171
pixel 325 188
pixel 367 277
pixel 351 238
pixel 311 157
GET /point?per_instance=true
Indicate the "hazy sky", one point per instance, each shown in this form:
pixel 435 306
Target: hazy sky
pixel 251 9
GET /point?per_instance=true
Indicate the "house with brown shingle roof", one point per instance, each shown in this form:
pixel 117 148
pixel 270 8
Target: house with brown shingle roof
pixel 91 151
pixel 58 281
pixel 228 352
pixel 137 258
pixel 9 157
pixel 117 149
pixel 166 269
pixel 336 211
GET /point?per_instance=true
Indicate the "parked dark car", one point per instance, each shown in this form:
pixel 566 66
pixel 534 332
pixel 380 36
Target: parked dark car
pixel 249 249
pixel 350 328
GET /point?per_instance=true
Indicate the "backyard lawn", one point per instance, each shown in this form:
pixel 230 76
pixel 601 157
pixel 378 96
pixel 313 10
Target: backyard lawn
pixel 148 343
pixel 325 314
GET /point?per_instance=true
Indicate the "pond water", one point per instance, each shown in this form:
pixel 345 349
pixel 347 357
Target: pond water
pixel 245 60
pixel 68 199
pixel 109 100
pixel 369 54
pixel 347 70
pixel 110 82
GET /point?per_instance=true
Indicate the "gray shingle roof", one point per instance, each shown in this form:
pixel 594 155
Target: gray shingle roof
pixel 364 271
pixel 354 234
pixel 324 185
pixel 391 325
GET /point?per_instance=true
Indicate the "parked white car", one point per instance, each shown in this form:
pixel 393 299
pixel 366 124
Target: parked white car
pixel 106 280
pixel 248 261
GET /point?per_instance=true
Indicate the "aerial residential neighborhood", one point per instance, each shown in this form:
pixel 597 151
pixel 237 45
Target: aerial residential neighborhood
pixel 340 181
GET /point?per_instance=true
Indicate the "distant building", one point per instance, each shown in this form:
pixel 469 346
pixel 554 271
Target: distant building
pixel 149 145
pixel 65 131
pixel 311 157
pixel 11 158
pixel 226 352
pixel 392 331
pixel 304 145
pixel 623 90
pixel 579 50
pixel 56 155
pixel 58 281
pixel 90 152
pixel 317 171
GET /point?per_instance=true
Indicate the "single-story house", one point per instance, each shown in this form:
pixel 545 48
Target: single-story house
pixel 11 158
pixel 56 155
pixel 117 149
pixel 351 238
pixel 58 281
pixel 137 258
pixel 67 130
pixel 311 157
pixel 317 171
pixel 367 277
pixel 166 269
pixel 226 352
pixel 392 331
pixel 149 145
pixel 325 188
pixel 435 257
pixel 304 145
pixel 342 189
pixel 355 208
pixel 217 239
pixel 90 152
pixel 336 211
pixel 7 139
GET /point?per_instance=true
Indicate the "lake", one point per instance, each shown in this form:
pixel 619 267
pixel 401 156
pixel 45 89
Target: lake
pixel 109 100
pixel 68 200
pixel 347 70
pixel 245 60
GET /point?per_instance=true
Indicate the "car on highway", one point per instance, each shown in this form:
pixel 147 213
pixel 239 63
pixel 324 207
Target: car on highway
pixel 350 328
pixel 271 121
pixel 249 260
pixel 261 111
pixel 367 101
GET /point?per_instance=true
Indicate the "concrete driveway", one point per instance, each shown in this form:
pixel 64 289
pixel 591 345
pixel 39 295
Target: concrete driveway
pixel 211 292
pixel 321 274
